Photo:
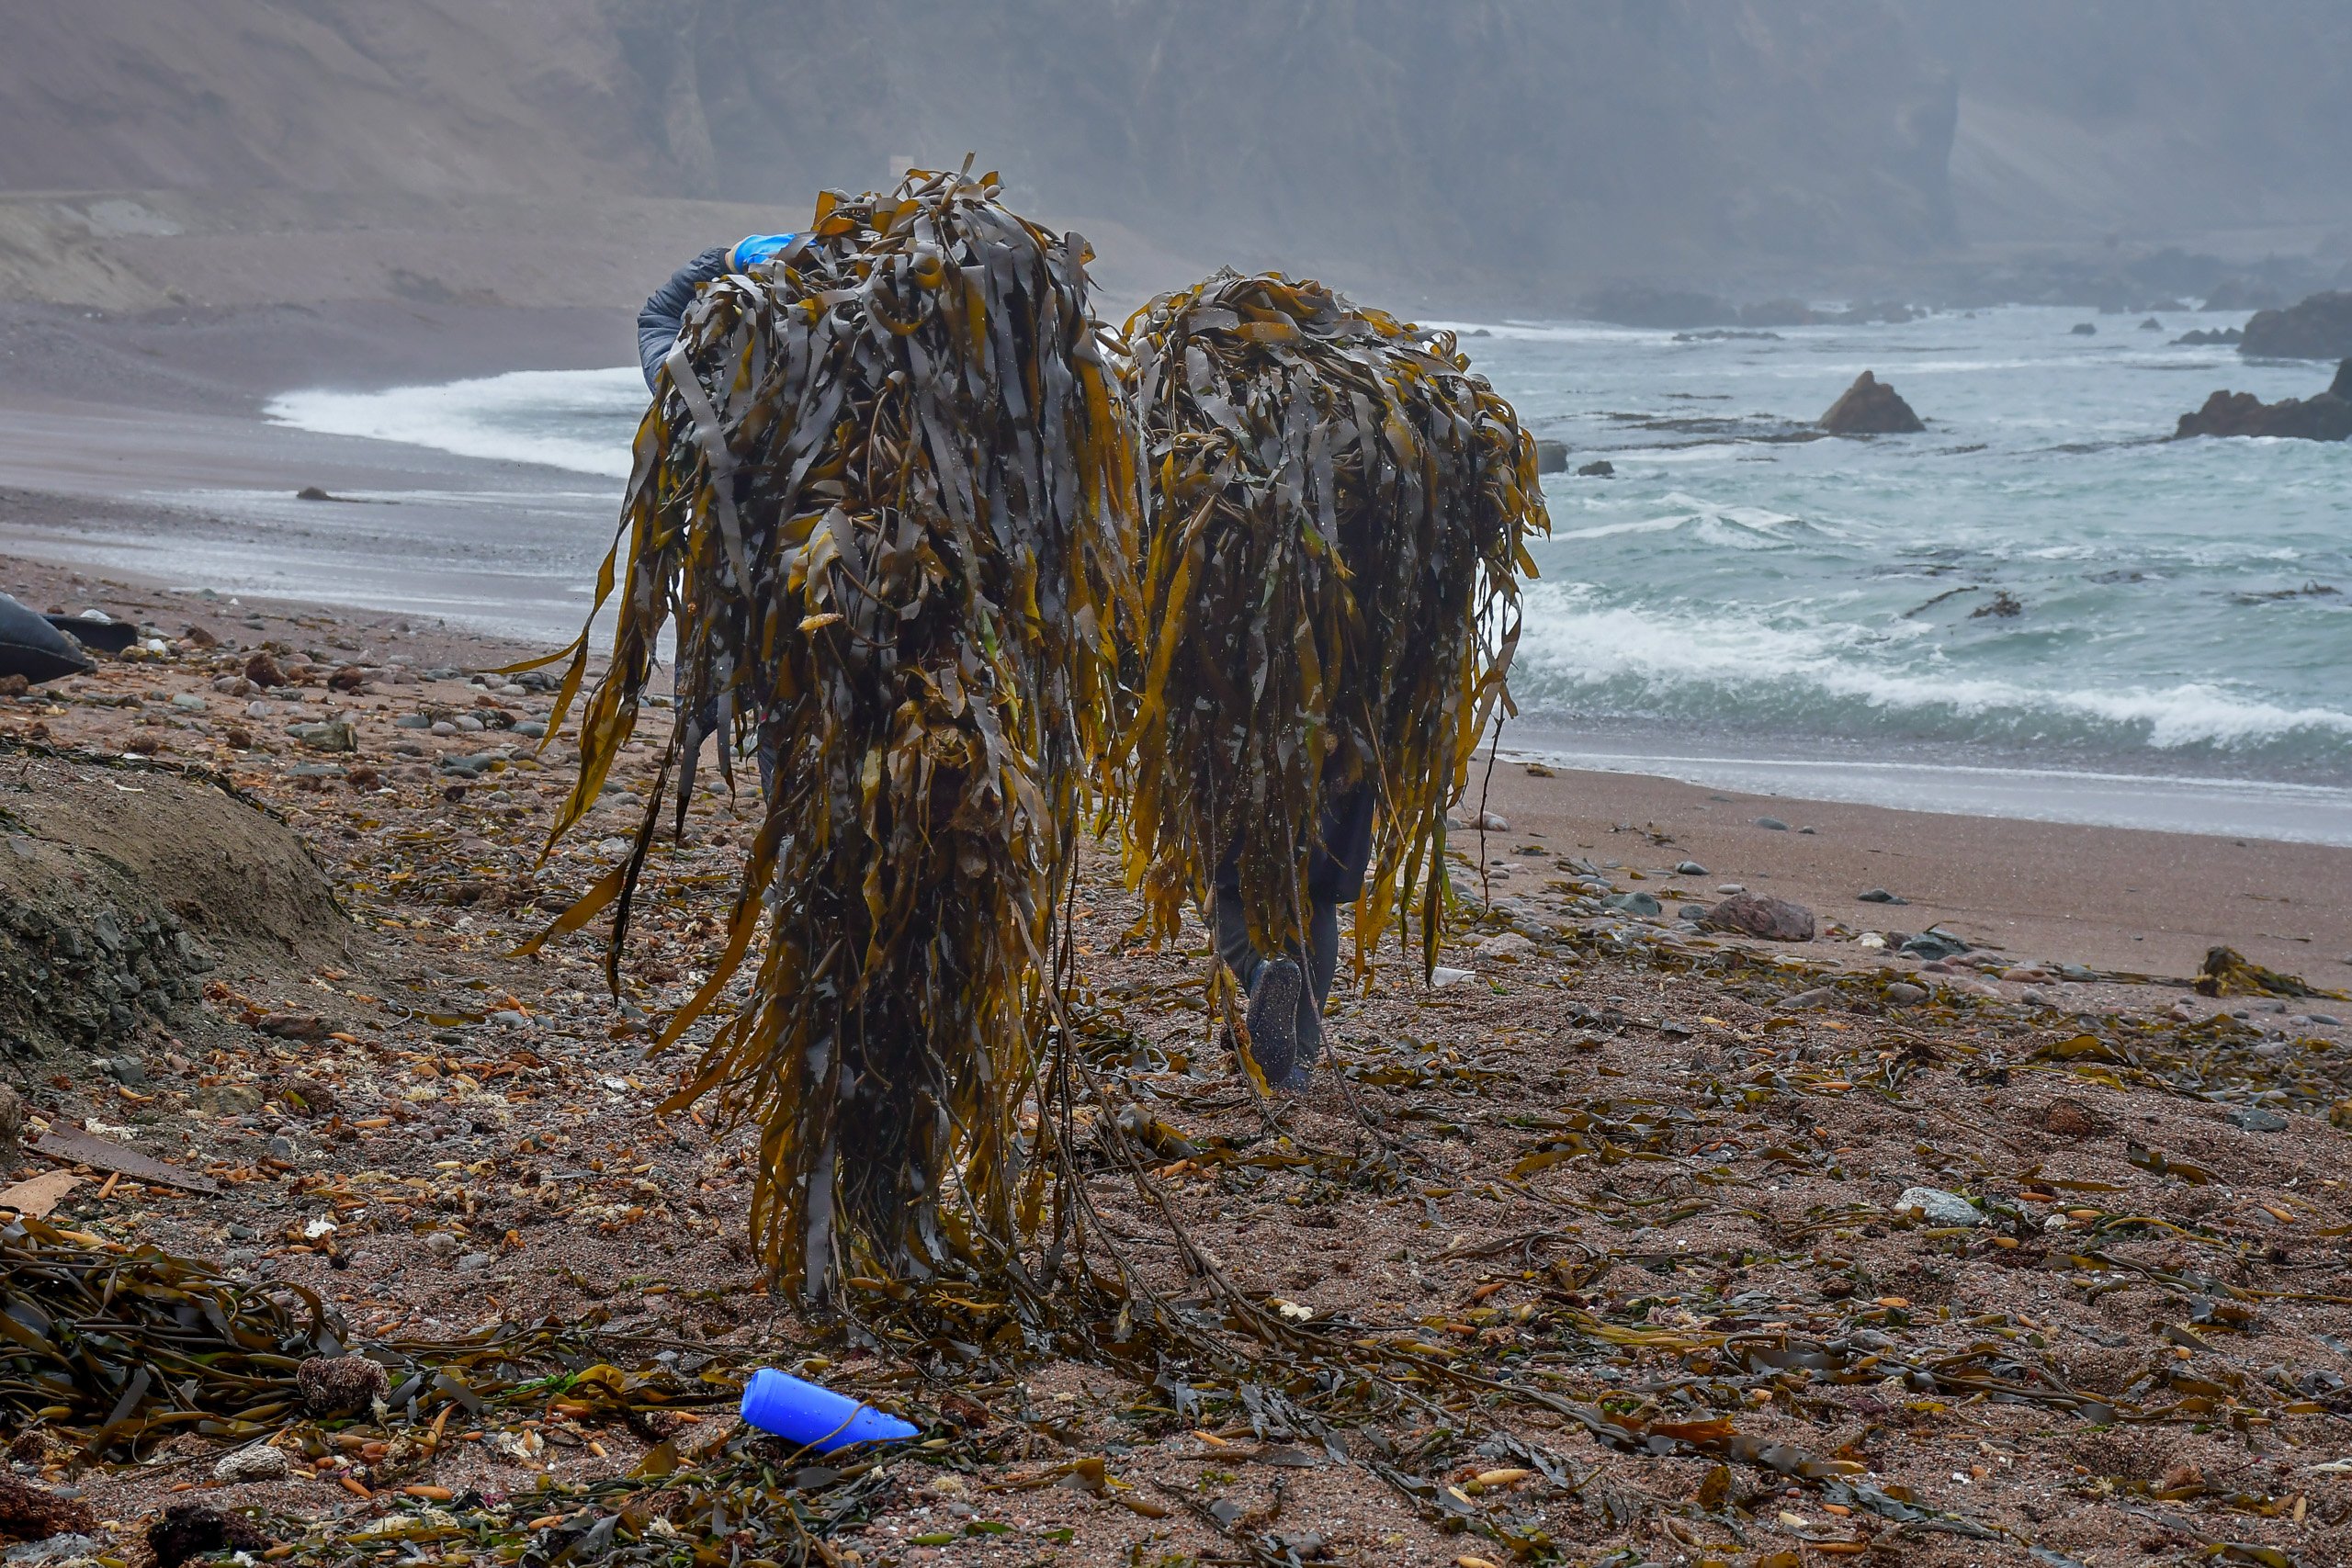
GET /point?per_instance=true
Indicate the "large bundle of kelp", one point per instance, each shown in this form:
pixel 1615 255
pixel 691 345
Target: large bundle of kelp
pixel 889 492
pixel 1337 510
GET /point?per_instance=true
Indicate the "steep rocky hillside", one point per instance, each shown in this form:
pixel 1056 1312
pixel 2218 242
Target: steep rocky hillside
pixel 1502 146
pixel 2145 118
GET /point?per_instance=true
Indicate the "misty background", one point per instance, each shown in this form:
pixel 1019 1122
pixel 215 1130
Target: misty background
pixel 1477 152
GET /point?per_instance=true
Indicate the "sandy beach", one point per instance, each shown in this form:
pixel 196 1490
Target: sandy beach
pixel 1623 1158
pixel 1454 1197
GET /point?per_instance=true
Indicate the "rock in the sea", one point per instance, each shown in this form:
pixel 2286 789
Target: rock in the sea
pixel 1759 914
pixel 2319 328
pixel 2327 417
pixel 2085 328
pixel 2201 338
pixel 1870 407
pixel 1599 468
pixel 2003 605
pixel 1551 457
pixel 1939 1207
pixel 2151 325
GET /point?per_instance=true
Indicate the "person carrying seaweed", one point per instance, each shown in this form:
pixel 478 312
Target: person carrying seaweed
pixel 1335 517
pixel 664 315
pixel 887 496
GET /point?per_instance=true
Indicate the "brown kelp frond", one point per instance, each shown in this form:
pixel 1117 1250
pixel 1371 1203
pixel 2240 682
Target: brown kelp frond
pixel 887 493
pixel 126 1348
pixel 1337 513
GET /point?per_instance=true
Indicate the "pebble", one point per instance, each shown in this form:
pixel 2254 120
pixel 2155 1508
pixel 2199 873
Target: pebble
pixel 1880 896
pixel 1820 996
pixel 1941 1207
pixel 1442 977
pixel 259 1462
pixel 474 1262
pixel 1773 823
pixel 2255 1118
pixel 441 1244
pixel 2328 1019
pixel 1760 915
pixel 1633 903
pixel 1509 947
pixel 280 1148
pixel 1904 994
pixel 1690 868
pixel 1731 887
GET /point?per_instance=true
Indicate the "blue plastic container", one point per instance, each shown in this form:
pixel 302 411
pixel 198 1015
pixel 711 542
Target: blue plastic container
pixel 816 1418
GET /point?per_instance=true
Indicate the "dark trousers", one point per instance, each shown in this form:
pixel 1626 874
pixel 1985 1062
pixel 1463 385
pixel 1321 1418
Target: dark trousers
pixel 1335 872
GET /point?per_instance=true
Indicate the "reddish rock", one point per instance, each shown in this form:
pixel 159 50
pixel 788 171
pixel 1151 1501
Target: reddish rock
pixel 2327 417
pixel 30 1513
pixel 1758 914
pixel 2069 1118
pixel 263 670
pixel 1870 407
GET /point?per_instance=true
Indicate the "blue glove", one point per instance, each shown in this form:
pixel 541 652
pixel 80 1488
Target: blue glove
pixel 753 249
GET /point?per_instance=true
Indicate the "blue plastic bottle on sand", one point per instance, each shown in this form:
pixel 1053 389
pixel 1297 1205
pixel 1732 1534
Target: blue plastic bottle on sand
pixel 815 1417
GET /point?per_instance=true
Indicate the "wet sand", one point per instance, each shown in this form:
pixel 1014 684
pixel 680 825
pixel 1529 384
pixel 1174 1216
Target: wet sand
pixel 2107 897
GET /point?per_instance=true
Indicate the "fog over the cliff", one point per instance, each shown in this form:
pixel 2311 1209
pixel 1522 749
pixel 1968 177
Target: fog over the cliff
pixel 1502 149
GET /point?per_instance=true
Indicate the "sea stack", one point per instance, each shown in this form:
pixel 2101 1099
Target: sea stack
pixel 1870 407
pixel 2326 417
pixel 2318 328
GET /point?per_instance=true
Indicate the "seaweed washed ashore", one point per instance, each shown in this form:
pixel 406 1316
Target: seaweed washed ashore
pixel 1601 1254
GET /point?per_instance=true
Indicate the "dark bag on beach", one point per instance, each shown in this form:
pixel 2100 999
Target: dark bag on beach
pixel 30 647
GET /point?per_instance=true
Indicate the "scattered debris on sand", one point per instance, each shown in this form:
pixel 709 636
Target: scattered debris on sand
pixel 1599 1250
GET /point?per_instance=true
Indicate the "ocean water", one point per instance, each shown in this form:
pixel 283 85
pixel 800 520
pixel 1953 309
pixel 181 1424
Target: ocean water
pixel 2039 585
pixel 2038 578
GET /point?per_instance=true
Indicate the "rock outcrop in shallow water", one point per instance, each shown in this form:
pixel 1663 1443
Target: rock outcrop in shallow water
pixel 1870 407
pixel 2327 417
pixel 2319 328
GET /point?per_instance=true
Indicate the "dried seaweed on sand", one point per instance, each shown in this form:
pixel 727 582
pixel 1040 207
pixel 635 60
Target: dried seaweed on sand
pixel 887 493
pixel 1337 512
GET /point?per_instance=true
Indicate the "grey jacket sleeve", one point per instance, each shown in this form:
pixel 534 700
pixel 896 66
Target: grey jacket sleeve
pixel 665 312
